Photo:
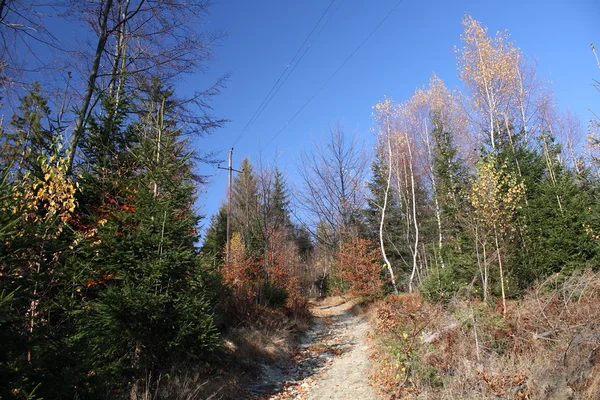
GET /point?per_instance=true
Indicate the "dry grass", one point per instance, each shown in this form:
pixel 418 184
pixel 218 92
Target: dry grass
pixel 268 337
pixel 187 386
pixel 252 335
pixel 547 347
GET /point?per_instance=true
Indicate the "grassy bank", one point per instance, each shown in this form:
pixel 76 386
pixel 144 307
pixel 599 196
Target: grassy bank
pixel 547 346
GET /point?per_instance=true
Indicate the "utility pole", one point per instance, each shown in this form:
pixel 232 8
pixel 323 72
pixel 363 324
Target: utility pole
pixel 230 169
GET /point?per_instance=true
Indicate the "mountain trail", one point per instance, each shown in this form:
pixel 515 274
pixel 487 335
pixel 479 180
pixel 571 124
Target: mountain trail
pixel 332 361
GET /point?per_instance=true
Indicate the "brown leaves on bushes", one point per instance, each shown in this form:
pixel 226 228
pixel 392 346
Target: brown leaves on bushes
pixel 404 310
pixel 400 321
pixel 548 347
pixel 499 384
pixel 358 264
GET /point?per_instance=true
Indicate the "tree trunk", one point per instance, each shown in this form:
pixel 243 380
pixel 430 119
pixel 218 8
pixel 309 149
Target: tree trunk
pixel 414 215
pixel 83 111
pixel 385 200
pixel 490 98
pixel 501 272
pixel 482 265
pixel 435 197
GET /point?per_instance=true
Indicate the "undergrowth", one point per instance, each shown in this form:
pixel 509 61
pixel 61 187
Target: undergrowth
pixel 251 334
pixel 547 346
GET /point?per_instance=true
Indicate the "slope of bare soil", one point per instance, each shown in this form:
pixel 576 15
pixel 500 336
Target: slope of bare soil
pixel 332 361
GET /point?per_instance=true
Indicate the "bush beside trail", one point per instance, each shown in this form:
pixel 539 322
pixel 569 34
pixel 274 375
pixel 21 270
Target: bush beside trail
pixel 466 349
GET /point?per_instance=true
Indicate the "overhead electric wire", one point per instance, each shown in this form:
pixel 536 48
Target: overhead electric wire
pixel 334 73
pixel 307 48
pixel 275 87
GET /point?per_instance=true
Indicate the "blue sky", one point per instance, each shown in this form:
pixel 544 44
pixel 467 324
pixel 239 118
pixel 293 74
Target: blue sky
pixel 417 40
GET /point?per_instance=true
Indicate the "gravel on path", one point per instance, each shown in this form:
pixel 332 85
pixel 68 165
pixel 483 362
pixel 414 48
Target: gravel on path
pixel 332 361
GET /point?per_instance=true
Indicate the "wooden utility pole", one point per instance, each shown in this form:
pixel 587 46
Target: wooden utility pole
pixel 229 205
pixel 230 170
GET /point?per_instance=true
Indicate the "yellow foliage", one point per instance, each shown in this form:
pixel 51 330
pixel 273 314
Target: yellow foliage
pixel 489 67
pixel 496 195
pixel 237 248
pixel 51 198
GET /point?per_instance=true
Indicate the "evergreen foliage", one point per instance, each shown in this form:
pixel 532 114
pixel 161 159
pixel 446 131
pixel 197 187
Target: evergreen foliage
pixel 393 226
pixel 215 238
pixel 31 135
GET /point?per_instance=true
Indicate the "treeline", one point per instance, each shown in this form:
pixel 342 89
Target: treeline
pixel 267 261
pixel 487 190
pixel 479 192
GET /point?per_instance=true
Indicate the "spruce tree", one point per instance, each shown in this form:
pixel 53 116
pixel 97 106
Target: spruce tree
pixel 561 216
pixel 455 263
pixel 280 200
pixel 246 209
pixel 37 201
pixel 142 302
pixel 32 133
pixel 215 238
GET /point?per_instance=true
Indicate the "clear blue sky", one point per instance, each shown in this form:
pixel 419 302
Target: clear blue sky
pixel 415 41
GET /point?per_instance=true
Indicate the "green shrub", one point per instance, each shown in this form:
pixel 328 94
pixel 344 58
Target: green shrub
pixel 440 285
pixel 274 296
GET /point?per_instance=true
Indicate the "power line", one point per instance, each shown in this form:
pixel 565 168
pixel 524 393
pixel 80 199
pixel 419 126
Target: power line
pixel 308 48
pixel 275 87
pixel 334 73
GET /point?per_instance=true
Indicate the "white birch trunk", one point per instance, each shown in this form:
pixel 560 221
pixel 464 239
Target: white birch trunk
pixel 383 209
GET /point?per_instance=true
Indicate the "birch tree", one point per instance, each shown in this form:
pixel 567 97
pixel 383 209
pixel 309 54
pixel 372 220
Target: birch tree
pixel 407 182
pixel 438 110
pixel 496 196
pixel 489 71
pixel 383 115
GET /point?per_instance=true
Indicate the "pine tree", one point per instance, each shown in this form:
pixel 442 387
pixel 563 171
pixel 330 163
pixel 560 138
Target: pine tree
pixel 303 241
pixel 457 253
pixel 281 203
pixel 38 207
pixel 560 215
pixel 215 238
pixel 32 133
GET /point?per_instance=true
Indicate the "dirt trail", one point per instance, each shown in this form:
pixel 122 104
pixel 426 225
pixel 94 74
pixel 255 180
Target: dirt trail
pixel 332 361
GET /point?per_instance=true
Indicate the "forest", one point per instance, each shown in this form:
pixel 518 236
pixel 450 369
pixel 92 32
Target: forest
pixel 471 227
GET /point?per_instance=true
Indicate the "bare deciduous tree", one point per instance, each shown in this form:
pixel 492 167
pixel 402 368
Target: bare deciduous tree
pixel 333 176
pixel 137 39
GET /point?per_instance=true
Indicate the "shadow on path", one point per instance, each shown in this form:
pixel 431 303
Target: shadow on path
pixel 331 361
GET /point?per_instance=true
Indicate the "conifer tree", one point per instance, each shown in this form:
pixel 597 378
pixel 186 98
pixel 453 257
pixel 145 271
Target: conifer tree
pixel 281 203
pixel 303 241
pixel 142 301
pixel 559 235
pixel 245 208
pixel 32 133
pixel 215 238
